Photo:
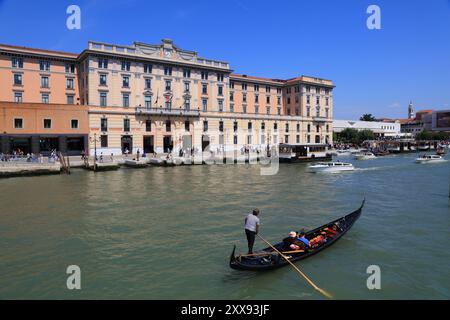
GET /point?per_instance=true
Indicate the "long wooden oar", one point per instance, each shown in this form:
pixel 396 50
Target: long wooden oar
pixel 326 294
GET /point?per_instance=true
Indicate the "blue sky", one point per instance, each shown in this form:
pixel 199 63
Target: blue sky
pixel 375 71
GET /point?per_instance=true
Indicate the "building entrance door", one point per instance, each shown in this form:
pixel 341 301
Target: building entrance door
pixel 167 144
pixel 205 142
pixel 127 144
pixel 149 146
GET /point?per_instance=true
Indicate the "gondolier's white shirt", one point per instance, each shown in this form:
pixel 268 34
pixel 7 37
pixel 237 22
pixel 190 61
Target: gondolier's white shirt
pixel 251 222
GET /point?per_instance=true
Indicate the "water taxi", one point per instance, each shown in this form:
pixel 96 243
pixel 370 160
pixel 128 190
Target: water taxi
pixel 429 158
pixel 331 167
pixel 364 156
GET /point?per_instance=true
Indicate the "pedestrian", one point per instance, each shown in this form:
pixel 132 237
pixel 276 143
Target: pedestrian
pixel 251 228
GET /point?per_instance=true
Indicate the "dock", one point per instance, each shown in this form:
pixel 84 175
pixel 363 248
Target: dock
pixel 17 169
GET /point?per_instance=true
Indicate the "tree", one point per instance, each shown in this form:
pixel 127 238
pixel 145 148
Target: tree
pixel 364 135
pixel 367 117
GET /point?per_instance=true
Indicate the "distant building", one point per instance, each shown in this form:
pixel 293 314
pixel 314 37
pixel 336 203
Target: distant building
pixel 440 120
pixel 414 125
pixel 379 128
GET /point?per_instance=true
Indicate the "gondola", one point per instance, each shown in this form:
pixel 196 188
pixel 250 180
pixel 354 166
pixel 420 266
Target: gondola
pixel 268 259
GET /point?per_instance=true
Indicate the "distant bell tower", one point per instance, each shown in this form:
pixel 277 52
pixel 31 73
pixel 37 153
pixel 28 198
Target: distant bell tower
pixel 410 111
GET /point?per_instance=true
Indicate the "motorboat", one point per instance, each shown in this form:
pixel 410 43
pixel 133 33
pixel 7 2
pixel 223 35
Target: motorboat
pixel 343 152
pixel 430 158
pixel 331 167
pixel 364 156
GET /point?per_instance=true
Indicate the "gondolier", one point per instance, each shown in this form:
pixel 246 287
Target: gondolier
pixel 251 228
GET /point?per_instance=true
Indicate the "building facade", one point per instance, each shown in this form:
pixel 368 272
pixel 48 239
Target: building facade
pixel 160 98
pixel 379 128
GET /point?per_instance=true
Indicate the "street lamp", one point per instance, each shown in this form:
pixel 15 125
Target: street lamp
pixel 95 146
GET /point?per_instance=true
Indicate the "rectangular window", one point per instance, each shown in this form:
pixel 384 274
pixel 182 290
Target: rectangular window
pixel 70 99
pixel 275 126
pixel 244 97
pixel 125 100
pixel 268 89
pixel 244 109
pixel 231 107
pixel 308 139
pixel 18 123
pixel 125 82
pixel 256 98
pixel 309 128
pixel 256 87
pixel 220 88
pixel 221 126
pixel 17 96
pixel 186 73
pixel 286 127
pixel 148 125
pixel 45 98
pixel 298 127
pixel 103 99
pixel 297 138
pixel 103 80
pixel 126 125
pixel 286 139
pixel 326 101
pixel 187 104
pixel 187 126
pixel 204 89
pixel 204 75
pixel 104 141
pixel 69 83
pixel 168 71
pixel 168 126
pixel 267 110
pixel 256 109
pixel 268 99
pixel 103 63
pixel 44 65
pixel 148 83
pixel 220 77
pixel 148 101
pixel 249 126
pixel 231 85
pixel 74 123
pixel 205 105
pixel 168 85
pixel 235 139
pixel 126 65
pixel 70 68
pixel 17 79
pixel 44 82
pixel 205 126
pixel 235 126
pixel 187 87
pixel 244 86
pixel 104 124
pixel 147 68
pixel 47 123
pixel 317 100
pixel 17 62
pixel 263 126
pixel 231 96
pixel 220 104
pixel 308 99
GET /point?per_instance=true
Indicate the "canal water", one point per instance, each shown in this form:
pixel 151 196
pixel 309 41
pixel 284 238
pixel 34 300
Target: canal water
pixel 167 233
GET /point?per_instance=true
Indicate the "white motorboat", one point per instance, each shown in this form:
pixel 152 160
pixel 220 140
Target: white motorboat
pixel 331 167
pixel 156 161
pixel 344 152
pixel 364 156
pixel 430 158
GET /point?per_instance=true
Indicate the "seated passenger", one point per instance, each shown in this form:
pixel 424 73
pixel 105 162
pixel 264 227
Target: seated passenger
pixel 293 243
pixel 316 241
pixel 301 237
pixel 330 232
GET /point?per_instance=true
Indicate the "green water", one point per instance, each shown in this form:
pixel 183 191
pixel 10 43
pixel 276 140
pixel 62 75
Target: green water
pixel 166 233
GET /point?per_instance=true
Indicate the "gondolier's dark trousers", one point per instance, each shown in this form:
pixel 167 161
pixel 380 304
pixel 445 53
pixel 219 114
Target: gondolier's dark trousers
pixel 250 239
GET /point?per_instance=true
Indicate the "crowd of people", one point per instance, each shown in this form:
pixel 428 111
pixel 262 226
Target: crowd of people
pixel 19 155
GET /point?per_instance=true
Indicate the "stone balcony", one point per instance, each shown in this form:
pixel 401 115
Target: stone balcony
pixel 181 112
